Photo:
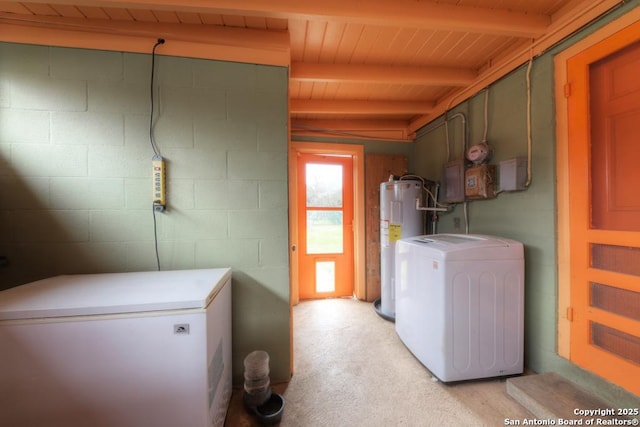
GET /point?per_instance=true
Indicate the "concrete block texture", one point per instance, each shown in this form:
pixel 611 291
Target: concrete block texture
pixel 173 131
pixel 47 226
pixel 216 74
pixel 192 225
pixel 33 92
pixel 121 225
pixel 5 94
pixel 208 163
pixel 5 160
pixel 83 64
pixel 235 253
pixel 269 133
pixel 137 193
pixel 206 103
pixel 75 152
pixel 21 59
pixel 87 193
pixel 24 126
pixel 49 160
pixel 118 97
pixel 271 80
pixel 119 162
pixel 179 195
pixel 258 224
pixel 274 252
pixel 25 193
pixel 273 195
pixel 136 68
pixel 224 134
pixel 223 194
pixel 264 166
pixel 87 128
pixel 174 71
pixel 174 255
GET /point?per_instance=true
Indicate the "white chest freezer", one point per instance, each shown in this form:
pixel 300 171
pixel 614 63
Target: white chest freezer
pixel 123 349
pixel 460 304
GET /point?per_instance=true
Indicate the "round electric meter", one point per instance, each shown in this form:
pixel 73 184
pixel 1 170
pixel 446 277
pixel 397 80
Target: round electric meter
pixel 478 153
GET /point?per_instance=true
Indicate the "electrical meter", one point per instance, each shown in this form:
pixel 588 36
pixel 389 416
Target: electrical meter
pixel 479 153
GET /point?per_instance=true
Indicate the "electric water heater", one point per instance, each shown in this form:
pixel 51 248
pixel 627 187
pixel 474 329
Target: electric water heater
pixel 399 219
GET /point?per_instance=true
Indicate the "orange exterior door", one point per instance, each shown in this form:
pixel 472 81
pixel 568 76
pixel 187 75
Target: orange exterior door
pixel 325 224
pixel 604 154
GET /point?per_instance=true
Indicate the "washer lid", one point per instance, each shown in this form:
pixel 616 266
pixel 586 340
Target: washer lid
pixel 468 246
pixel 114 293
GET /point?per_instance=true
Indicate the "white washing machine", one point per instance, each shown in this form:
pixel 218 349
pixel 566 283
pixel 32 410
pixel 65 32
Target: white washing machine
pixel 460 304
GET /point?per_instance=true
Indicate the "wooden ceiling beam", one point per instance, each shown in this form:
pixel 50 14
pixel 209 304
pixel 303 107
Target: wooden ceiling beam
pixel 199 41
pixel 357 107
pixel 354 125
pixel 382 129
pixel 399 13
pixel 358 73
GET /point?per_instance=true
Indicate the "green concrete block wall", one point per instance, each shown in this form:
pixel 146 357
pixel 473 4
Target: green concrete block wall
pixel 75 176
pixel 528 216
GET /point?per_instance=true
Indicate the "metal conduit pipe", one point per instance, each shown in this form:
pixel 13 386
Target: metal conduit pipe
pixel 446 124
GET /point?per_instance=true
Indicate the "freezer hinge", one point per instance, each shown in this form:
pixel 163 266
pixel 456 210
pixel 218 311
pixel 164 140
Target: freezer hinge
pixel 567 90
pixel 570 314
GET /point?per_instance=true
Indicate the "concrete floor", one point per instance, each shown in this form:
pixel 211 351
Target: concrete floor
pixel 351 369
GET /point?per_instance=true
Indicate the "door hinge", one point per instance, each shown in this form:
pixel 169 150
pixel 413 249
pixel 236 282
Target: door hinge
pixel 570 314
pixel 567 90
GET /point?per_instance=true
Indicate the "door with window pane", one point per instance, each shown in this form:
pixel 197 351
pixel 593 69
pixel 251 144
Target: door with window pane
pixel 325 218
pixel 605 215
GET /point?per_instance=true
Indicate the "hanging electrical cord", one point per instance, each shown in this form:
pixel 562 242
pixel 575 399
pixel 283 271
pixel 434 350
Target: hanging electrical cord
pixel 154 147
pixel 152 141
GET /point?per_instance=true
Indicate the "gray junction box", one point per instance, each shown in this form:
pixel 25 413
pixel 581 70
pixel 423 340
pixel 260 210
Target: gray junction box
pixel 513 174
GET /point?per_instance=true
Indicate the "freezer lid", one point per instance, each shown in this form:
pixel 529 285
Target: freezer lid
pixel 113 293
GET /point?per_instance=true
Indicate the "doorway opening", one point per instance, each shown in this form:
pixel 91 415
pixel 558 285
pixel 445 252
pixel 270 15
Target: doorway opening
pixel 326 221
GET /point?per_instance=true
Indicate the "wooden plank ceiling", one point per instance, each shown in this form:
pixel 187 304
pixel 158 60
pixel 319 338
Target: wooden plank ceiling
pixel 381 68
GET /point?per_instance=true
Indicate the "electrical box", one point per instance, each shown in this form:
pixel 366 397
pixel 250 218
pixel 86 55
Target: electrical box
pixel 454 182
pixel 513 174
pixel 479 182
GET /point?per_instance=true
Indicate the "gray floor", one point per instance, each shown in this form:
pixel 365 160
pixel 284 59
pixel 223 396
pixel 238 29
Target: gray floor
pixel 351 369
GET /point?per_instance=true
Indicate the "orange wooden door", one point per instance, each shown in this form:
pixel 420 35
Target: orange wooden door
pixel 604 152
pixel 325 224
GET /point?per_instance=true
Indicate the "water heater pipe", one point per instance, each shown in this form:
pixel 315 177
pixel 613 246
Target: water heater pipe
pixel 425 208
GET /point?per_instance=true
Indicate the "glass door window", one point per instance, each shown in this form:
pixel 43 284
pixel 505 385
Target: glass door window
pixel 326 216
